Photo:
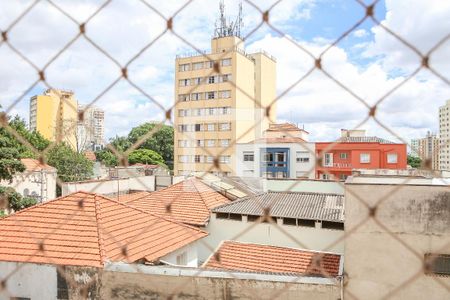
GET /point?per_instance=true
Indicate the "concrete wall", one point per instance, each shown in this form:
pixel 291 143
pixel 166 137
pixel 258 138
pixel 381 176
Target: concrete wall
pixel 32 281
pixel 146 183
pixel 305 169
pixel 120 281
pixel 381 258
pixel 41 185
pixel 266 233
pixel 304 185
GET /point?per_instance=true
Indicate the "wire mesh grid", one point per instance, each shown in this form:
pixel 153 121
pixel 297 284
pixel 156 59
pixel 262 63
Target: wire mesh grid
pixel 317 64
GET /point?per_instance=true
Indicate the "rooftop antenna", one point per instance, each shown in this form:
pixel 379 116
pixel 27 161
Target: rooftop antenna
pixel 230 28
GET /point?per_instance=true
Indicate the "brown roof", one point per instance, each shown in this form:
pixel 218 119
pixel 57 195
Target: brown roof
pixel 85 229
pixel 278 140
pixel 284 127
pixel 35 165
pixel 90 155
pixel 125 198
pixel 189 201
pixel 245 257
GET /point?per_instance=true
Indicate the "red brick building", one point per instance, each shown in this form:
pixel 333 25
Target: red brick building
pixel 354 150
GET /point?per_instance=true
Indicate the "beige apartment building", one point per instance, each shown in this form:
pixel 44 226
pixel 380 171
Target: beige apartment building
pixel 91 130
pixel 427 149
pixel 54 115
pixel 221 99
pixel 444 137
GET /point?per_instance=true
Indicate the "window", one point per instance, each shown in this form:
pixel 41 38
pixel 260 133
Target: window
pixel 198 112
pixel 332 225
pixel 183 97
pixel 224 126
pixel 211 111
pixel 364 158
pixel 267 157
pixel 210 127
pixel 196 96
pixel 184 82
pixel 211 95
pixel 182 259
pixel 209 64
pixel 212 79
pixel 226 62
pixel 224 143
pixel 181 112
pixel 199 158
pixel 184 67
pixel 289 221
pixel 302 156
pixel 210 143
pixel 225 78
pixel 343 155
pixel 183 128
pixel 183 143
pixel 197 81
pixel 198 127
pixel 221 215
pixel 225 94
pixel 197 66
pixel 328 160
pixel 183 158
pixel 306 223
pixel 249 156
pixel 200 143
pixel 224 159
pixel 392 158
pixel 209 159
pixel 437 264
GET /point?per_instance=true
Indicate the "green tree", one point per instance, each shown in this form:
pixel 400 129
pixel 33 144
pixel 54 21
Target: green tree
pixel 107 158
pixel 13 200
pixel 120 143
pixel 71 166
pixel 161 141
pixel 414 161
pixel 145 156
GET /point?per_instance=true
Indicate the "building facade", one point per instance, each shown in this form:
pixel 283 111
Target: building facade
pixel 401 252
pixel 355 150
pixel 54 115
pixel 427 149
pixel 444 135
pixel 282 152
pixel 220 96
pixel 91 130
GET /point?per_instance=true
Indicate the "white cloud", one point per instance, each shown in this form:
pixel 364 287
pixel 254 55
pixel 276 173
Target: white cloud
pixel 360 33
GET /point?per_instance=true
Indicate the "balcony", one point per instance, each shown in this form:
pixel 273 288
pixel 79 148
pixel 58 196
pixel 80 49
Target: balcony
pixel 338 165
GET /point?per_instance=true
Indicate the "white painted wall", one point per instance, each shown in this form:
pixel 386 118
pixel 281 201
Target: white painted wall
pixel 243 167
pixel 190 250
pixel 42 184
pixel 34 281
pixel 318 239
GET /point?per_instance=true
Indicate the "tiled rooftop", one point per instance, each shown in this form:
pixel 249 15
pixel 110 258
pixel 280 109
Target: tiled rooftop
pixel 85 229
pixel 300 205
pixel 284 127
pixel 245 257
pixel 278 140
pixel 33 165
pixel 363 139
pixel 189 201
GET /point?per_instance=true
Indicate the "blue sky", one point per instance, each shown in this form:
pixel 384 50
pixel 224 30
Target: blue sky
pixel 369 61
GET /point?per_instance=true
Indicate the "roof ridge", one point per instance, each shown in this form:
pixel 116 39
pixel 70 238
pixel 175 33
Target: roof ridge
pixel 282 247
pixel 302 192
pixel 98 217
pixel 152 214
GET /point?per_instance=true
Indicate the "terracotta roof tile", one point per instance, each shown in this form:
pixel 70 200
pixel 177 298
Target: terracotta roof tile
pixel 237 256
pixel 189 201
pixel 278 140
pixel 283 127
pixel 34 165
pixel 86 229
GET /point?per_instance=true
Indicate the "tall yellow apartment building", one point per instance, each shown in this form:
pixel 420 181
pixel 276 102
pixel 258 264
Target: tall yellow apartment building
pixel 218 107
pixel 54 115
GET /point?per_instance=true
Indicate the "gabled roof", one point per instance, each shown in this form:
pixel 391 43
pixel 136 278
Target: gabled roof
pixel 278 140
pixel 299 205
pixel 85 229
pixel 246 257
pixel 33 165
pixel 363 139
pixel 189 201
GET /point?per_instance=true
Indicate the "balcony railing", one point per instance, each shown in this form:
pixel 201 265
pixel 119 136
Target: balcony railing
pixel 338 165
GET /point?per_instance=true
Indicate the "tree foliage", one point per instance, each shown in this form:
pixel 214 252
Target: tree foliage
pixel 145 156
pixel 414 161
pixel 13 200
pixel 71 166
pixel 107 158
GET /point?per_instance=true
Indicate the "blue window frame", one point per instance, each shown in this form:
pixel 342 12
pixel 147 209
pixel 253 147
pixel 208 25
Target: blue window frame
pixel 274 162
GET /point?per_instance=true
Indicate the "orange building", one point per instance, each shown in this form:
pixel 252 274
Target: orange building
pixel 355 150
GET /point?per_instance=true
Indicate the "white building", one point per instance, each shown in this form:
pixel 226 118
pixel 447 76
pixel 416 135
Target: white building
pixel 313 221
pixel 427 149
pixel 283 152
pixel 91 131
pixel 444 134
pixel 37 181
